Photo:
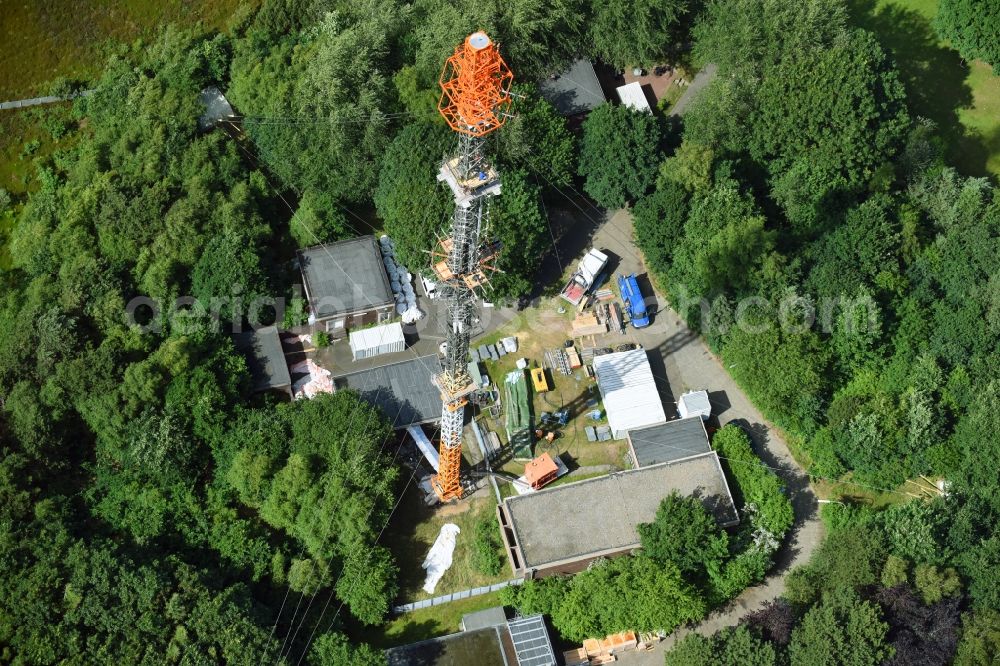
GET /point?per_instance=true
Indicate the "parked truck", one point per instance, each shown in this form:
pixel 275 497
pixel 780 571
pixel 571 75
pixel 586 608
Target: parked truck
pixel 585 277
pixel 634 303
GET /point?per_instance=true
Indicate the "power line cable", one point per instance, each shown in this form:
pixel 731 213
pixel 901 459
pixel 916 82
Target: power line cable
pixel 277 619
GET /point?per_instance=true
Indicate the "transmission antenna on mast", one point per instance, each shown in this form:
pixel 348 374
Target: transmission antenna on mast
pixel 475 92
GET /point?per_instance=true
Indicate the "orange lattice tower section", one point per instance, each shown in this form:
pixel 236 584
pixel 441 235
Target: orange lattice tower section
pixel 475 92
pixel 475 87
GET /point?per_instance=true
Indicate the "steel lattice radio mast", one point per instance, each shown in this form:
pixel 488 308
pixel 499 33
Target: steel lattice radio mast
pixel 475 85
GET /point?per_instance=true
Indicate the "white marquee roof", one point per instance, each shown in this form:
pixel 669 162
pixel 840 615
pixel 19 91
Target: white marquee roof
pixel 629 391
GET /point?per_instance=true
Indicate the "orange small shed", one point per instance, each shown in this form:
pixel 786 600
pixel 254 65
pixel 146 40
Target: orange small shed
pixel 540 471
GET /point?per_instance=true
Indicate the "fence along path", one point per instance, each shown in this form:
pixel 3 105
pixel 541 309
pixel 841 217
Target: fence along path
pixel 455 596
pixel 35 101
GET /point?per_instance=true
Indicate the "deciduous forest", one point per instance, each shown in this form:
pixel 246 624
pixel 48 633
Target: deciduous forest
pixel 802 217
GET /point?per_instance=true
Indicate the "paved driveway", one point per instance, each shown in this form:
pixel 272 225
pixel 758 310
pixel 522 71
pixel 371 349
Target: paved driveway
pixel 682 362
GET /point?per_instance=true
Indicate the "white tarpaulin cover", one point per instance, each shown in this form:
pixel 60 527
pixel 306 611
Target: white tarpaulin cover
pixel 628 390
pixel 438 560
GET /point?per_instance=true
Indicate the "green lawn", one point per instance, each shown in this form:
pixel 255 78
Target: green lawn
pixel 423 624
pixel 963 99
pixel 412 532
pixel 45 39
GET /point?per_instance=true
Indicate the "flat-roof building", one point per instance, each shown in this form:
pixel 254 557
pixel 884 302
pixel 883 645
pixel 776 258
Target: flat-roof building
pixel 628 390
pixel 668 442
pixel 265 359
pixel 403 391
pixel 346 284
pixel 561 530
pixel 575 90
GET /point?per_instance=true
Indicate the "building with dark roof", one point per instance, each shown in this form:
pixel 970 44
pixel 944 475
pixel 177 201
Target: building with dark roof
pixel 668 442
pixel 403 391
pixel 346 284
pixel 561 530
pixel 265 359
pixel 487 639
pixel 489 617
pixel 489 646
pixel 574 91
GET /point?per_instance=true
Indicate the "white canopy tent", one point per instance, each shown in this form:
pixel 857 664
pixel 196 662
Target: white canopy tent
pixel 629 391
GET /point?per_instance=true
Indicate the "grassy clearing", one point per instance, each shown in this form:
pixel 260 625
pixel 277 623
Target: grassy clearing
pixel 963 99
pixel 6 224
pixel 424 624
pixel 412 532
pixel 27 136
pixel 46 39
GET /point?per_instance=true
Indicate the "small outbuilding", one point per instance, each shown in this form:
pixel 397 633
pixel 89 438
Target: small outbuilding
pixel 628 389
pixel 633 96
pixel 695 403
pixel 265 359
pixel 378 340
pixel 346 284
pixel 540 471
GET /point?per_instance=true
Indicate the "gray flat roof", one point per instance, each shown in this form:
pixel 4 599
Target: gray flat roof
pixel 344 277
pixel 576 90
pixel 596 516
pixel 265 358
pixel 403 391
pixel 489 617
pixel 482 647
pixel 670 441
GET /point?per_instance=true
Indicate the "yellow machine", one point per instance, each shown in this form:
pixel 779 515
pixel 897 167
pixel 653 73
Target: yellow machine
pixel 539 380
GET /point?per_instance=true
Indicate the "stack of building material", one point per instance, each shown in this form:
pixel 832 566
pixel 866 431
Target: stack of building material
pixel 604 294
pixel 609 646
pixel 572 358
pixel 587 324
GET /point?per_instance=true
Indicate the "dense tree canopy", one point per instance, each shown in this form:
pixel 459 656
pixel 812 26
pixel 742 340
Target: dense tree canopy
pixel 618 154
pixel 684 534
pixel 630 33
pixel 624 592
pixel 972 27
pixel 154 515
pixel 152 510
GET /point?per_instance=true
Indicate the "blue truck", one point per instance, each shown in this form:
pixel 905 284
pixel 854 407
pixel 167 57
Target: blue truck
pixel 634 304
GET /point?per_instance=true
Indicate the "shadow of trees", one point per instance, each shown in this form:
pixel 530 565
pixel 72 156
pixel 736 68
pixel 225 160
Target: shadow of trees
pixel 934 77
